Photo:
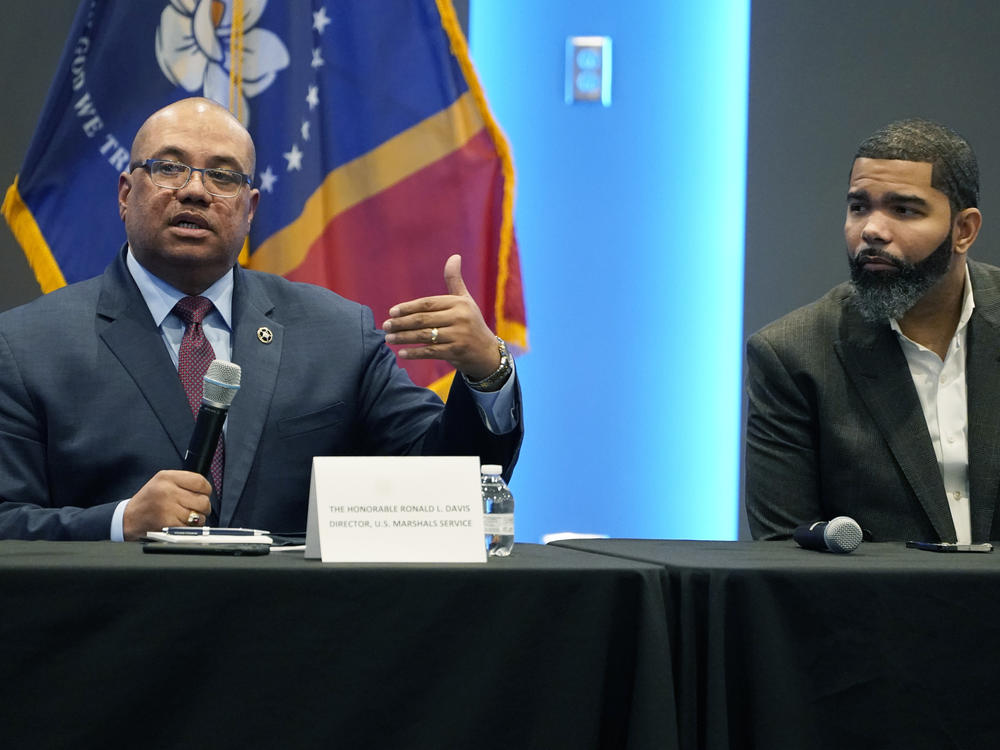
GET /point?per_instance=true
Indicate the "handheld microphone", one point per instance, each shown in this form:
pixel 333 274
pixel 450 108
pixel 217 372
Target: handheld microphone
pixel 842 535
pixel 222 381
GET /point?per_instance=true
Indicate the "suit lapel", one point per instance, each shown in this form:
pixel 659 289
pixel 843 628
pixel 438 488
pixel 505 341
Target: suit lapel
pixel 982 370
pixel 877 367
pixel 130 334
pixel 252 310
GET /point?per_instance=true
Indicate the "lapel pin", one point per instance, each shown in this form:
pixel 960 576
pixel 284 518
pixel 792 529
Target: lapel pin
pixel 265 335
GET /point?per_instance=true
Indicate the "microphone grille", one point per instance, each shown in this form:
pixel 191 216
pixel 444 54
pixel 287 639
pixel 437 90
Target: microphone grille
pixel 222 381
pixel 843 534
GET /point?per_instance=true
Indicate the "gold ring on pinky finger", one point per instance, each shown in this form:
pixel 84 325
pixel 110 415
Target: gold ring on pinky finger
pixel 193 519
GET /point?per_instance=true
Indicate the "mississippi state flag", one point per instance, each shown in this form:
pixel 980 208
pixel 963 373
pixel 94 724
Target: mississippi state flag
pixel 377 156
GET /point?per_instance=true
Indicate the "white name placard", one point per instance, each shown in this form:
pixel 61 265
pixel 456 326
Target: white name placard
pixel 395 509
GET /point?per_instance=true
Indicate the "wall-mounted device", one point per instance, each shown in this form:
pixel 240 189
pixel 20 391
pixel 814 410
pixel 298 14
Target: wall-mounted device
pixel 588 69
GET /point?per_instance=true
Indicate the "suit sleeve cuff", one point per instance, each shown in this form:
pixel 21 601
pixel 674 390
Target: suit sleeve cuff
pixel 496 408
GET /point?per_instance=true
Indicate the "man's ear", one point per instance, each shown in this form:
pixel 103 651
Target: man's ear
pixel 254 200
pixel 965 229
pixel 124 188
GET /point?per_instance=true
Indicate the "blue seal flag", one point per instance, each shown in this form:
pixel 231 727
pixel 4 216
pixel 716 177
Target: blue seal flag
pixel 377 155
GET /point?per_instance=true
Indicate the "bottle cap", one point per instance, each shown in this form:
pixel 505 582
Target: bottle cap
pixel 491 469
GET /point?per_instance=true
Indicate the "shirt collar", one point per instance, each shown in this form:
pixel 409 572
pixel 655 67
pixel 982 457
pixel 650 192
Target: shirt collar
pixel 160 297
pixel 968 305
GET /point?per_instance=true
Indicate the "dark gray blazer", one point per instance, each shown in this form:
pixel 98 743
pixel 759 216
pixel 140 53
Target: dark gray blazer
pixel 834 425
pixel 91 406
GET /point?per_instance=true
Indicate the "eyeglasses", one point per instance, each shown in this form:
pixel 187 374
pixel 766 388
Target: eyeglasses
pixel 174 175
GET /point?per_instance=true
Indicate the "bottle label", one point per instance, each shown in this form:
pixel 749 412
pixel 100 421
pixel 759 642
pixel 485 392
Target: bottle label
pixel 498 524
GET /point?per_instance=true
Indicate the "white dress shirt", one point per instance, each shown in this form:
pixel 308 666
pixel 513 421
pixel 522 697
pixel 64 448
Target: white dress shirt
pixel 943 398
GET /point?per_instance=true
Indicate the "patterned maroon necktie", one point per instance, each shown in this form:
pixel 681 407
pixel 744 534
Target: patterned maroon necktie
pixel 195 355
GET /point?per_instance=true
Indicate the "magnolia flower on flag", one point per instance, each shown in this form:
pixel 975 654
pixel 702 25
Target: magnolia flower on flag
pixel 193 50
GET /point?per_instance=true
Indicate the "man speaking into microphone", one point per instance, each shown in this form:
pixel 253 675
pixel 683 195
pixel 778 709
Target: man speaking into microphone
pixel 101 381
pixel 879 400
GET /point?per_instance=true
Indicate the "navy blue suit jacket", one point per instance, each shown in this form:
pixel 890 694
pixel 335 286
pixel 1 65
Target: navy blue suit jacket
pixel 91 405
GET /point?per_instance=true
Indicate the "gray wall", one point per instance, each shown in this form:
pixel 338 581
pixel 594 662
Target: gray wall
pixel 823 76
pixel 31 39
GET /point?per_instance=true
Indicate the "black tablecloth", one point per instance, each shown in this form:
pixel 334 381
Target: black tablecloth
pixel 104 646
pixel 778 647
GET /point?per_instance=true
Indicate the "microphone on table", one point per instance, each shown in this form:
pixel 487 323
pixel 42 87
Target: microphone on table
pixel 222 381
pixel 842 535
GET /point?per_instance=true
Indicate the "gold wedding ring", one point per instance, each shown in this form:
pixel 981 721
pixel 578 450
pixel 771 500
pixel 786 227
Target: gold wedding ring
pixel 434 335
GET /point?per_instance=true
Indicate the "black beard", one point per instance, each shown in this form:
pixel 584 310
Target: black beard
pixel 882 295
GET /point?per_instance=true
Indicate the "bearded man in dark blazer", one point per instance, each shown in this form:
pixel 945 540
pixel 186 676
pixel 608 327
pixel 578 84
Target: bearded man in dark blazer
pixel 879 401
pixel 94 420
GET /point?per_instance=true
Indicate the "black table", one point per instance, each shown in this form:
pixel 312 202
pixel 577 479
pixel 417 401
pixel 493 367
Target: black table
pixel 104 646
pixel 775 647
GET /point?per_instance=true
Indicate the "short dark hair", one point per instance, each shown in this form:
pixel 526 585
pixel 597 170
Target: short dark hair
pixel 955 171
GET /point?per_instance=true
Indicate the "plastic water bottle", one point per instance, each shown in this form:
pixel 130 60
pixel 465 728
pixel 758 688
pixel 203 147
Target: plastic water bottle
pixel 498 511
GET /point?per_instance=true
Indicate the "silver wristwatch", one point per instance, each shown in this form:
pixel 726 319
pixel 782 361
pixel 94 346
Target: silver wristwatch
pixel 495 380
